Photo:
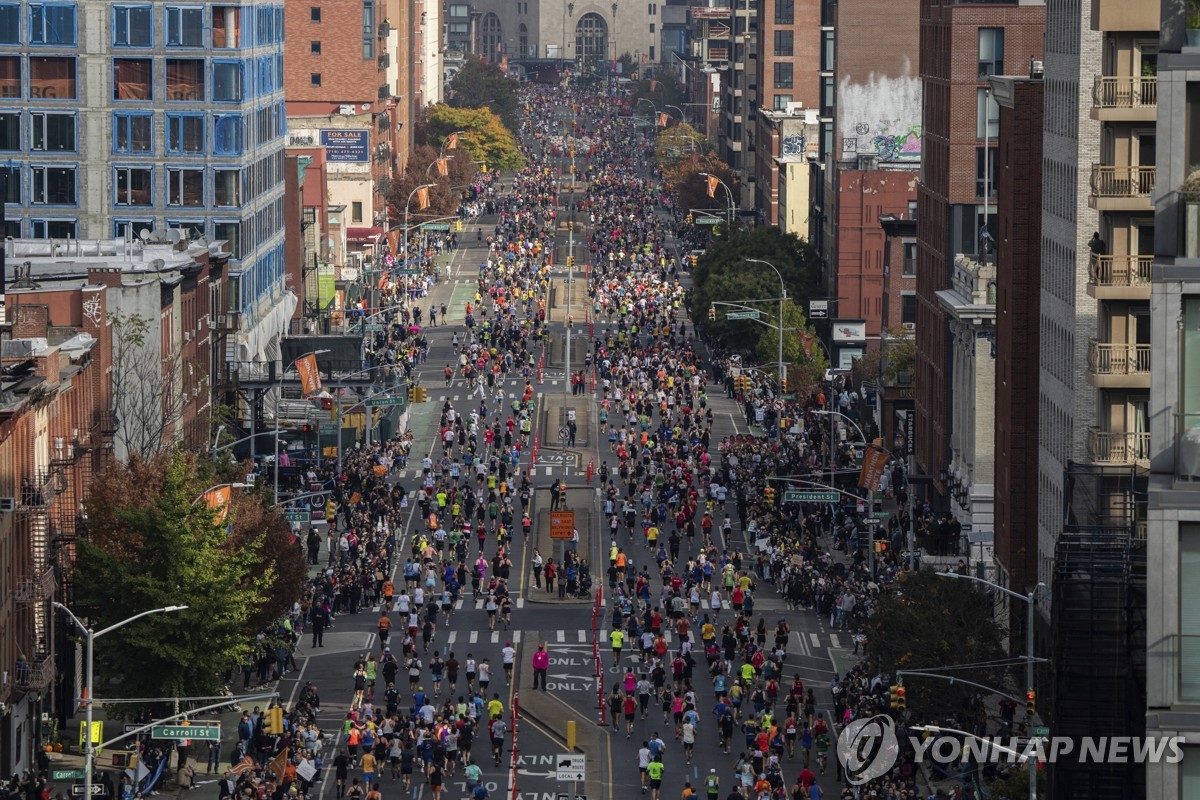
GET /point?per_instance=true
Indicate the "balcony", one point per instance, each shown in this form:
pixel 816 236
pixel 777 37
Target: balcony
pixel 1121 188
pixel 1173 671
pixel 1124 277
pixel 36 588
pixel 36 675
pixel 1119 366
pixel 1118 447
pixel 1125 98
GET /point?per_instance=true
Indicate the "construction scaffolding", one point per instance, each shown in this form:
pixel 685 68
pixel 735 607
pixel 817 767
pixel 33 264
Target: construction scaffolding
pixel 1099 626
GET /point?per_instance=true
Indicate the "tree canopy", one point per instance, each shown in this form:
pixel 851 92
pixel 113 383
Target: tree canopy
pixel 676 142
pixel 933 623
pixel 483 136
pixel 683 178
pixel 443 200
pixel 482 85
pixel 153 541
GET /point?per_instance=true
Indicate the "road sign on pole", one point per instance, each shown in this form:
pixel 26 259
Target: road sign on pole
pixel 562 524
pixel 66 774
pixel 297 516
pixel 207 733
pixel 98 790
pixel 818 309
pixel 801 496
pixel 708 220
pixel 743 315
pixel 373 402
pixel 570 767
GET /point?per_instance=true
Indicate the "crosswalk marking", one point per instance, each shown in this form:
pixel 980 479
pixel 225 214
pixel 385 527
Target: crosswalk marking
pixel 816 640
pixel 520 602
pixel 495 637
pixel 459 605
pixel 474 637
pixel 562 636
pixel 583 637
pixel 834 641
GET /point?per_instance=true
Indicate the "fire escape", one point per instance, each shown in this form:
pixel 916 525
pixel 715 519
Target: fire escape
pixel 35 583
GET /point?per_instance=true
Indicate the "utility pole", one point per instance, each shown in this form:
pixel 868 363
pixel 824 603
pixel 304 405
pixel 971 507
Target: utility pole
pixel 570 292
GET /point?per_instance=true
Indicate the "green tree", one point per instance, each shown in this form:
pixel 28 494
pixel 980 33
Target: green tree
pixel 482 85
pixel 677 142
pixel 1015 785
pixel 932 623
pixel 691 188
pixel 803 356
pixel 153 541
pixel 484 136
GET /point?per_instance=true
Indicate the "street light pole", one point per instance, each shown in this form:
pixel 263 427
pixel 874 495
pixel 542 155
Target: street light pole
pixel 277 409
pixel 90 637
pixel 406 204
pixel 782 298
pixel 833 415
pixel 729 197
pixel 1030 599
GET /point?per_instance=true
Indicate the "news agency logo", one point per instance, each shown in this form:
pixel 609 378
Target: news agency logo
pixel 868 748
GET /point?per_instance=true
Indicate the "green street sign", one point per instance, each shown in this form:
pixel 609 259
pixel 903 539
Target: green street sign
pixel 373 327
pixel 743 315
pixel 408 272
pixel 328 429
pixel 437 226
pixel 373 402
pixel 66 774
pixel 787 397
pixel 882 514
pixel 708 221
pixel 801 496
pixel 1041 730
pixel 208 733
pixel 297 516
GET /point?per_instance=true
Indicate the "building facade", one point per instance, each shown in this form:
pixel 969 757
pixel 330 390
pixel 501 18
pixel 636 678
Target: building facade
pixel 131 119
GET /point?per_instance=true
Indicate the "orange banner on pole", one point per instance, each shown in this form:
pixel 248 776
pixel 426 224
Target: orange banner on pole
pixel 393 238
pixel 713 180
pixel 310 375
pixel 662 120
pixel 218 500
pixel 452 141
pixel 423 198
pixel 874 463
pixel 443 166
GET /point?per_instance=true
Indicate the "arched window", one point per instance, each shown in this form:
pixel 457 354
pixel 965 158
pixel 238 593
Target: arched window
pixel 523 41
pixel 591 38
pixel 490 36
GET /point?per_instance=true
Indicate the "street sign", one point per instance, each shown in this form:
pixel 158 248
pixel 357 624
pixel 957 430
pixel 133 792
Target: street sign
pixel 98 789
pixel 743 315
pixel 818 309
pixel 883 514
pixel 872 522
pixel 565 796
pixel 800 496
pixel 208 733
pixel 570 767
pixel 297 516
pixel 1041 730
pixel 564 433
pixel 373 327
pixel 328 429
pixel 408 272
pixel 562 524
pixel 708 220
pixel 373 402
pixel 437 226
pixel 66 774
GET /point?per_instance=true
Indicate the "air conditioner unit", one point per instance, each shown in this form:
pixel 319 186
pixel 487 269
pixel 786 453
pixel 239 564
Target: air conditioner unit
pixel 347 111
pixel 8 504
pixel 187 336
pixel 794 109
pixel 908 326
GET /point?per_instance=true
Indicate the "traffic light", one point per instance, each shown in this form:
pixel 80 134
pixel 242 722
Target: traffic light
pixel 274 721
pixel 783 385
pixel 458 226
pixel 712 313
pixel 769 495
pixel 570 262
pixel 412 394
pixel 894 696
pixel 422 394
pixel 689 219
pixel 695 260
pixel 1031 703
pixel 901 700
pixel 330 511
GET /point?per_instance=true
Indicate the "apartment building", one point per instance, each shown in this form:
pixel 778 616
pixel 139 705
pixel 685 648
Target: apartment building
pixel 962 44
pixel 125 119
pixel 738 100
pixel 1173 498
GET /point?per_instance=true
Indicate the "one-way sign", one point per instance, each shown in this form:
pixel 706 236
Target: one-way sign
pixel 98 790
pixel 571 767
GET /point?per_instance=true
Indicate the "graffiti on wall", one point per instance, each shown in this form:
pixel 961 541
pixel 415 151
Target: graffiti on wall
pixel 881 116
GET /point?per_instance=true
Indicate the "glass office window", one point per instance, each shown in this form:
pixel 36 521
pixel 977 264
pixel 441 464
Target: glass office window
pixel 133 26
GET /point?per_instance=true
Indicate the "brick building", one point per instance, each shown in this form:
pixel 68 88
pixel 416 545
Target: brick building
pixel 899 285
pixel 962 44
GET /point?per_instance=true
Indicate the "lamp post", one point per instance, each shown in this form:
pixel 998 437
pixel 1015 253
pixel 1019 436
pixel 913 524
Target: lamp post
pixel 833 415
pixel 406 204
pixel 782 298
pixel 280 402
pixel 90 637
pixel 434 163
pixel 1030 599
pixel 729 195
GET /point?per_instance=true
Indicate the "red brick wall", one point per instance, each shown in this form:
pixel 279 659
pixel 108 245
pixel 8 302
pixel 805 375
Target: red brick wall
pixel 346 77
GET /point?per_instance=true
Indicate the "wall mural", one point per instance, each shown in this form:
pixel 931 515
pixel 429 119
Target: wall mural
pixel 880 116
pixel 892 147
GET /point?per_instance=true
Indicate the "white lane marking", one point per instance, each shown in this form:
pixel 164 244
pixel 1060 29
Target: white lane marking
pixel 834 641
pixel 816 640
pixel 562 636
pixel 474 637
pixel 735 427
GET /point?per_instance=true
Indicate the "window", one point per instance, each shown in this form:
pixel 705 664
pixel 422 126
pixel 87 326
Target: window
pixel 227 134
pixel 227 188
pixel 185 26
pixel 10 23
pixel 185 187
pixel 828 51
pixel 185 79
pixel 368 29
pixel 10 76
pixel 985 172
pixel 315 79
pixel 185 133
pixel 459 27
pixel 910 259
pixel 458 11
pixel 991 52
pixel 133 132
pixel 783 74
pixel 908 308
pixel 10 130
pixel 13 172
pixel 133 186
pixel 131 227
pixel 230 233
pixel 967 223
pixel 226 26
pixel 53 185
pixel 314 48
pixel 356 212
pixel 52 229
pixel 314 14
pixel 785 12
pixel 1189 604
pixel 51 77
pixel 133 26
pixel 781 102
pixel 987 115
pixel 52 23
pixel 133 79
pixel 227 81
pixel 784 42
pixel 52 132
pixel 652 27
